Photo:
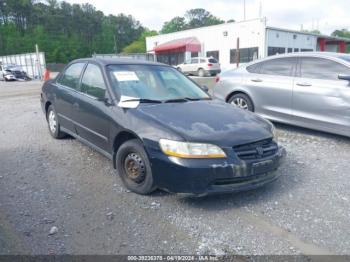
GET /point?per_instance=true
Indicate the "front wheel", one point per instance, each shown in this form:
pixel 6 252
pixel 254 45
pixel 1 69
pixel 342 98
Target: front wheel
pixel 242 101
pixel 134 168
pixel 201 72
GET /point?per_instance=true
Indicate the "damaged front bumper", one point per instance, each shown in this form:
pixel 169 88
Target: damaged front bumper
pixel 208 176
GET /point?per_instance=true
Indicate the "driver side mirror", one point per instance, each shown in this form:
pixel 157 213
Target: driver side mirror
pixel 105 100
pixel 344 77
pixel 205 88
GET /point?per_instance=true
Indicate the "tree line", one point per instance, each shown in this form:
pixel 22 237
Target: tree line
pixel 63 31
pixel 67 31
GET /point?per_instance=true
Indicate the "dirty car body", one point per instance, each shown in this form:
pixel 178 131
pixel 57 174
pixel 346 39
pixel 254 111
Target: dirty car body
pixel 242 152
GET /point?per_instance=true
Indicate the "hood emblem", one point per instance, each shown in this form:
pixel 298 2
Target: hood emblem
pixel 260 151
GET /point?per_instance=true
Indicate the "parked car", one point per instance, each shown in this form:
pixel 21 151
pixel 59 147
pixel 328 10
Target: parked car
pixel 159 128
pixel 308 89
pixel 6 74
pixel 13 72
pixel 201 66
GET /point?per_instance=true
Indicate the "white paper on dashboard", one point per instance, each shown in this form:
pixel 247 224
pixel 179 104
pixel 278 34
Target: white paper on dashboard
pixel 124 103
pixel 123 76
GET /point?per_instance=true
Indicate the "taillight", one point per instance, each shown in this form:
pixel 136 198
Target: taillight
pixel 210 64
pixel 217 79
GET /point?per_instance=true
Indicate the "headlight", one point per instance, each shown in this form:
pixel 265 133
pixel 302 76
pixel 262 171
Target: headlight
pixel 274 133
pixel 190 150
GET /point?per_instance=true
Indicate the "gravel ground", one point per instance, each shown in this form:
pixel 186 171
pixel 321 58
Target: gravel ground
pixel 61 197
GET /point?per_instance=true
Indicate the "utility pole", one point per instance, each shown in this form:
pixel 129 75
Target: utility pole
pixel 115 45
pixel 244 17
pixel 38 63
pixel 260 10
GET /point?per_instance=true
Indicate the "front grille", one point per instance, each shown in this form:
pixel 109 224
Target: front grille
pixel 256 150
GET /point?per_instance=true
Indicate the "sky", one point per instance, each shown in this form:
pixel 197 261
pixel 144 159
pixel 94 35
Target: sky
pixel 324 15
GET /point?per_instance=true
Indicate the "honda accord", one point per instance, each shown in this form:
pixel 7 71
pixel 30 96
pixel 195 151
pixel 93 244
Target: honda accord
pixel 160 129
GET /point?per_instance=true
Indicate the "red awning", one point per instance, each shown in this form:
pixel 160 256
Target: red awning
pixel 190 44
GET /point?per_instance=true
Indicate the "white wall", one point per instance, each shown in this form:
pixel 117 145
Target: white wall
pixel 280 38
pixel 251 34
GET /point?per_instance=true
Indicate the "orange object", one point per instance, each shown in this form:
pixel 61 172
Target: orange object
pixel 46 75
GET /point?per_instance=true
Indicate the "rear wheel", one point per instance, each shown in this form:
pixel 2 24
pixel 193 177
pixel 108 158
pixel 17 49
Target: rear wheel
pixel 201 72
pixel 179 69
pixel 54 126
pixel 242 101
pixel 134 168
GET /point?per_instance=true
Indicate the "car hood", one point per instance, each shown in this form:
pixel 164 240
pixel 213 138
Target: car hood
pixel 209 121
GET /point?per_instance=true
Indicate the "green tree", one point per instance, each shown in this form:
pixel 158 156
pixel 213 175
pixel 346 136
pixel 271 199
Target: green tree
pixel 194 18
pixel 176 24
pixel 343 33
pixel 139 45
pixel 200 17
pixel 63 31
pixel 127 30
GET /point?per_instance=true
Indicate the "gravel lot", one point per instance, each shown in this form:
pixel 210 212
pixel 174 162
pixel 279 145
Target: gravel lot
pixel 47 183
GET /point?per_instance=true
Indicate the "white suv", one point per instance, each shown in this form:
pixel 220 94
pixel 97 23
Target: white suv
pixel 201 66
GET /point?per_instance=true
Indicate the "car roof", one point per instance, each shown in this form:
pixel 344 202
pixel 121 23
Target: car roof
pixel 304 54
pixel 117 61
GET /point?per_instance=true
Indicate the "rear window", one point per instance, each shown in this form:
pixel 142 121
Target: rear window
pixel 280 66
pixel 212 60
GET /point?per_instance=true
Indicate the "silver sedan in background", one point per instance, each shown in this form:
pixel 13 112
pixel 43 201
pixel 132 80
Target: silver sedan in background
pixel 308 89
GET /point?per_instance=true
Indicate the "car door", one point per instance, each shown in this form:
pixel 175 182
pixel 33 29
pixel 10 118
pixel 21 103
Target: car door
pixel 191 67
pixel 271 85
pixel 92 120
pixel 64 95
pixel 320 98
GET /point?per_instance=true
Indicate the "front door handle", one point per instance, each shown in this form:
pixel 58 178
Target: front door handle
pixel 76 106
pixel 256 80
pixel 304 84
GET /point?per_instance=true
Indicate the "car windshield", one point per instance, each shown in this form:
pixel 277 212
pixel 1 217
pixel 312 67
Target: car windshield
pixel 212 60
pixel 153 82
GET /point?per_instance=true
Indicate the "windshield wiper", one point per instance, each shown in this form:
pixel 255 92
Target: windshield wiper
pixel 176 100
pixel 143 100
pixel 184 99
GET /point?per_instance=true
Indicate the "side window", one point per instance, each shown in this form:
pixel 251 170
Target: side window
pixel 281 67
pixel 255 68
pixel 194 61
pixel 71 76
pixel 321 68
pixel 92 82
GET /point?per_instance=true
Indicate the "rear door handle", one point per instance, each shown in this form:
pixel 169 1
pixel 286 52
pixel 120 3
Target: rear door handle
pixel 256 80
pixel 304 84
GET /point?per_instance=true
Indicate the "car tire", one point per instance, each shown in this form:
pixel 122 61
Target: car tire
pixel 179 69
pixel 242 101
pixel 201 72
pixel 134 168
pixel 53 124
